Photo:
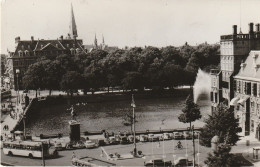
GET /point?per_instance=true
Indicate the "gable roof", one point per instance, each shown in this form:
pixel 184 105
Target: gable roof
pixel 250 69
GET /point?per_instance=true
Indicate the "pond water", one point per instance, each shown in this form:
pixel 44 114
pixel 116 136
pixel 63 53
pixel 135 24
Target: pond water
pixel 151 114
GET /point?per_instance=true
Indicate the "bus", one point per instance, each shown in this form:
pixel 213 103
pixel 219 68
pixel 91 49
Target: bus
pixel 31 149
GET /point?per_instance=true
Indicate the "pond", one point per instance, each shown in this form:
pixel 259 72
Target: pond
pixel 151 114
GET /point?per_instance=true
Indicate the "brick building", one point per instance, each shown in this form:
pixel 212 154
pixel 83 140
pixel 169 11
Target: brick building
pixel 234 50
pixel 28 51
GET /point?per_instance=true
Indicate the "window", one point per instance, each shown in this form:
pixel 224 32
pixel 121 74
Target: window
pixel 235 86
pixel 211 96
pixel 252 106
pixel 216 97
pixel 252 125
pixel 254 90
pixel 248 88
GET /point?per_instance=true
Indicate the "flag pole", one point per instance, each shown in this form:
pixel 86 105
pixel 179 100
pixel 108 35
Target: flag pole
pixel 133 105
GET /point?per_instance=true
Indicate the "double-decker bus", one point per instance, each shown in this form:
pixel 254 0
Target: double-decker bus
pixel 31 149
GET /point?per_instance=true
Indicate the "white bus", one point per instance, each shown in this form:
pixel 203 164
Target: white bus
pixel 30 149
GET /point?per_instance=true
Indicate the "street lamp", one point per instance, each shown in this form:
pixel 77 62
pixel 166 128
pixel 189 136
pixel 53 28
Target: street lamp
pixel 17 71
pixel 133 105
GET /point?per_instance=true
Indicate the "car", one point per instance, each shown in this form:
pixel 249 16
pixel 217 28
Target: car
pixel 112 140
pixel 158 162
pixel 123 140
pixel 79 144
pixel 130 138
pixel 166 136
pixel 152 137
pixel 181 161
pixel 177 135
pixel 187 135
pixel 143 138
pixel 90 144
pixel 58 146
pixel 101 142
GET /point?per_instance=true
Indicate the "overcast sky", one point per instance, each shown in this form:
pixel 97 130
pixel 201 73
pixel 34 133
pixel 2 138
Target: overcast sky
pixel 126 22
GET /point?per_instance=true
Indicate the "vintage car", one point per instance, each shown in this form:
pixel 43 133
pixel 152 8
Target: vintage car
pixel 112 140
pixel 152 137
pixel 143 138
pixel 90 144
pixel 166 136
pixel 177 135
pixel 187 135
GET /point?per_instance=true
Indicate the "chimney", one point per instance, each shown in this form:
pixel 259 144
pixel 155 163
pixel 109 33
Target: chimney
pixel 17 39
pixel 257 27
pixel 234 29
pixel 61 38
pixel 32 39
pixel 251 28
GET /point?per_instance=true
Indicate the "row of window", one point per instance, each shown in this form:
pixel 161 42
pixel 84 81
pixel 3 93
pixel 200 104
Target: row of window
pixel 22 147
pixel 247 87
pixel 22 62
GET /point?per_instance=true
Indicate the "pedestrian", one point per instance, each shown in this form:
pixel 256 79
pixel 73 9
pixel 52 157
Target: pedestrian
pixel 73 155
pixel 102 153
pixel 159 145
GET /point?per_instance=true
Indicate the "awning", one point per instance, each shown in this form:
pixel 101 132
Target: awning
pixel 234 101
pixel 243 100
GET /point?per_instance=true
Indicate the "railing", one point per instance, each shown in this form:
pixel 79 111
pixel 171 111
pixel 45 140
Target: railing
pixel 256 35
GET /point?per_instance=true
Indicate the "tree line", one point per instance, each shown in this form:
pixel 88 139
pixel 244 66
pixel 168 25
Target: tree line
pixel 136 68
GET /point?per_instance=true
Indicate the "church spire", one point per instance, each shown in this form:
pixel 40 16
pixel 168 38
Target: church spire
pixel 103 40
pixel 73 27
pixel 95 42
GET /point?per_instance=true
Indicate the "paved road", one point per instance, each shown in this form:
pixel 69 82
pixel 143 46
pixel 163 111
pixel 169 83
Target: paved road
pixel 146 148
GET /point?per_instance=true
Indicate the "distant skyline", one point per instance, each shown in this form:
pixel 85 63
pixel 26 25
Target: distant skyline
pixel 126 22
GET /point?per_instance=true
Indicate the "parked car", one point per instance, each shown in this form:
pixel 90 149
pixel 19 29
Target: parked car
pixel 187 135
pixel 123 140
pixel 112 140
pixel 101 142
pixel 177 135
pixel 90 144
pixel 79 144
pixel 143 138
pixel 130 138
pixel 158 162
pixel 152 137
pixel 166 136
pixel 183 161
pixel 58 146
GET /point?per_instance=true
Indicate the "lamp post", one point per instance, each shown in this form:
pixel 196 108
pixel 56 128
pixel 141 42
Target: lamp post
pixel 17 71
pixel 133 105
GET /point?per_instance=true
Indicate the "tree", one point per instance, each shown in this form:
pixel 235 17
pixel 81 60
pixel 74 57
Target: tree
pixel 133 80
pixel 191 111
pixel 223 124
pixel 34 77
pixel 71 82
pixel 221 157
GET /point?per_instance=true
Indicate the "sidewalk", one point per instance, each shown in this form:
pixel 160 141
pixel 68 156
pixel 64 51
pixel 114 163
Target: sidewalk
pixel 247 149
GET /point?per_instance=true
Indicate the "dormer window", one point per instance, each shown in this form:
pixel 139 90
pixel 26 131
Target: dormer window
pixel 78 50
pixel 255 56
pixel 243 65
pixel 26 53
pixel 72 51
pixel 20 53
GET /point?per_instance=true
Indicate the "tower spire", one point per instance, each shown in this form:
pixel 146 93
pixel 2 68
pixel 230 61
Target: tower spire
pixel 73 27
pixel 95 42
pixel 103 40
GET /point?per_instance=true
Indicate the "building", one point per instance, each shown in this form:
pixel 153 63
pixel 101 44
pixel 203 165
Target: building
pixel 234 50
pixel 246 99
pixel 101 46
pixel 28 51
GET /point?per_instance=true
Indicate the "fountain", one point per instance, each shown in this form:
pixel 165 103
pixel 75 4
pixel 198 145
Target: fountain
pixel 202 85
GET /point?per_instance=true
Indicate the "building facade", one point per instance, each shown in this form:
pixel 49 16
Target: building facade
pixel 28 51
pixel 246 99
pixel 234 50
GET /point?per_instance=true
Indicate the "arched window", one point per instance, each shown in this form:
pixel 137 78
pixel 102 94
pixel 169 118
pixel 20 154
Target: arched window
pixel 26 53
pixel 72 51
pixel 20 53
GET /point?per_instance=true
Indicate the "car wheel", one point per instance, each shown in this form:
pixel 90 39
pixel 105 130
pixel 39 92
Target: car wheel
pixel 30 156
pixel 10 153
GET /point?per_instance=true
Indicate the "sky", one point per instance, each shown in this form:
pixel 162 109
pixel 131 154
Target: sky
pixel 126 22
